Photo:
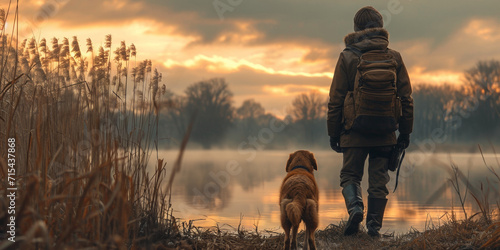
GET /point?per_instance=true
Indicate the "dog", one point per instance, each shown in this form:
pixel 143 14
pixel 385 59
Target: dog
pixel 299 198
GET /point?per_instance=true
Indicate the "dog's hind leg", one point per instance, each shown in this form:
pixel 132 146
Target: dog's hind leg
pixel 295 229
pixel 294 214
pixel 306 240
pixel 311 219
pixel 285 222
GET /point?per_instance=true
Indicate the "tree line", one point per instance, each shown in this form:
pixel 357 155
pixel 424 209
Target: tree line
pixel 466 113
pixel 218 123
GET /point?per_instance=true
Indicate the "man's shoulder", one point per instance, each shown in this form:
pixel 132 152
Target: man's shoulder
pixel 349 54
pixel 389 50
pixel 395 53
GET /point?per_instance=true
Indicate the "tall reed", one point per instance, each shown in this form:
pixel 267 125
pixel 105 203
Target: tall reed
pixel 83 144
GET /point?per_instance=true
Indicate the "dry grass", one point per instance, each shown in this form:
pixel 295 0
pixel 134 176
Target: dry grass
pixel 82 146
pixel 467 234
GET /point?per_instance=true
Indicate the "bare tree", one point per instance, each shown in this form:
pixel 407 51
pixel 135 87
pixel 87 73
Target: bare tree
pixel 309 107
pixel 212 101
pixel 309 114
pixel 250 109
pixel 250 117
pixel 481 101
pixel 484 81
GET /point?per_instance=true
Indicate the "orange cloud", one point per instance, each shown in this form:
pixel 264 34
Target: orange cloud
pixel 224 64
pixel 420 75
pixel 245 33
pixel 119 4
pixel 292 89
pixel 485 29
pixel 445 62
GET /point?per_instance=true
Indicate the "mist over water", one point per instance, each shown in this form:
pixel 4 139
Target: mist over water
pixel 220 187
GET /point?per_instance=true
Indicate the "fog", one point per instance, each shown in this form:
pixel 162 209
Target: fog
pixel 217 186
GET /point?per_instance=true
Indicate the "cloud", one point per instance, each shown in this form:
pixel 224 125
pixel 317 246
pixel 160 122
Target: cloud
pixel 294 90
pixel 420 75
pixel 476 40
pixel 318 28
pixel 223 65
pixel 284 20
pixel 273 91
pixel 270 50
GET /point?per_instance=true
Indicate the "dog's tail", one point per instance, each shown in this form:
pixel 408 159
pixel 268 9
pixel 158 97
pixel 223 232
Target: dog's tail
pixel 294 212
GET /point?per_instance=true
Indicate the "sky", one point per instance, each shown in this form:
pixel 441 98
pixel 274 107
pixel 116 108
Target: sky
pixel 272 50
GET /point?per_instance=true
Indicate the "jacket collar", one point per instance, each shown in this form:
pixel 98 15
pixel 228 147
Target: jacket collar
pixel 368 39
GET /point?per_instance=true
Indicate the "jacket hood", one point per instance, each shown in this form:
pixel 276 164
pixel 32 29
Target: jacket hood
pixel 368 39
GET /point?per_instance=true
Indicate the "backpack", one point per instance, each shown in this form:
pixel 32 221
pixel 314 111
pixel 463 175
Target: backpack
pixel 373 106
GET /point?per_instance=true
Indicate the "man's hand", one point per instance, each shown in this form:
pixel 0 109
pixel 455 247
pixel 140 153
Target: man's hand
pixel 335 144
pixel 404 140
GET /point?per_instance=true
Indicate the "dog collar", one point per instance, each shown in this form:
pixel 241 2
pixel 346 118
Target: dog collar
pixel 300 167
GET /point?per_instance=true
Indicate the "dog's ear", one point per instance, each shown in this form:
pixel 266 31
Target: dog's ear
pixel 313 161
pixel 288 162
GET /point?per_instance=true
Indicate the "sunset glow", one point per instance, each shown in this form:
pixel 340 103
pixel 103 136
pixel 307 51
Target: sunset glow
pixel 270 56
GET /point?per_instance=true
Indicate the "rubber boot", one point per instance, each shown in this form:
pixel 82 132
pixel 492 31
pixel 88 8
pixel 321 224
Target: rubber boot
pixel 375 215
pixel 354 204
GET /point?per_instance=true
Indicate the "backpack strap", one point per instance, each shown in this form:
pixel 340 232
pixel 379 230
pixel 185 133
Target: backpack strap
pixel 359 54
pixel 354 50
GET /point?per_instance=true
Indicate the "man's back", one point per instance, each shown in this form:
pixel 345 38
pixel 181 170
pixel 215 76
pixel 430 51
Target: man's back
pixel 358 144
pixel 343 81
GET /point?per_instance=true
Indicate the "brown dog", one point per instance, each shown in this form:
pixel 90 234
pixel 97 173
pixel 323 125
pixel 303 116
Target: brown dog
pixel 299 198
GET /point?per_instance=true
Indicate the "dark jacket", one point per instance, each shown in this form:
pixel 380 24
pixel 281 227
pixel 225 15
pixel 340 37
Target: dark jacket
pixel 343 80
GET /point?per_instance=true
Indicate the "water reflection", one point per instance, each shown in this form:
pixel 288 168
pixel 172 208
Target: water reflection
pixel 219 186
pixel 207 187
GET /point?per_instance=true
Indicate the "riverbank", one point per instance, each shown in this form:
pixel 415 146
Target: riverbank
pixel 465 234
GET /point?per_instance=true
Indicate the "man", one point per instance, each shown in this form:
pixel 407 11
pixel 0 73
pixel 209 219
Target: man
pixel 356 146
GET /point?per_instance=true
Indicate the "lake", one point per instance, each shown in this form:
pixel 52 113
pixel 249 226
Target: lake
pixel 222 187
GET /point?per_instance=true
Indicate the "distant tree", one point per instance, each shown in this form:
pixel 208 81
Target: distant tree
pixel 248 117
pixel 431 103
pixel 211 100
pixel 309 107
pixel 481 100
pixel 250 109
pixel 256 128
pixel 484 80
pixel 174 120
pixel 309 113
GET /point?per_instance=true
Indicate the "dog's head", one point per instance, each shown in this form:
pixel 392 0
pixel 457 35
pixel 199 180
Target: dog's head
pixel 301 158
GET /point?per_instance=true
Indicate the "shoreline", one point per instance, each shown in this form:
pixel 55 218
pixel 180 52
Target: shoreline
pixel 486 148
pixel 461 234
